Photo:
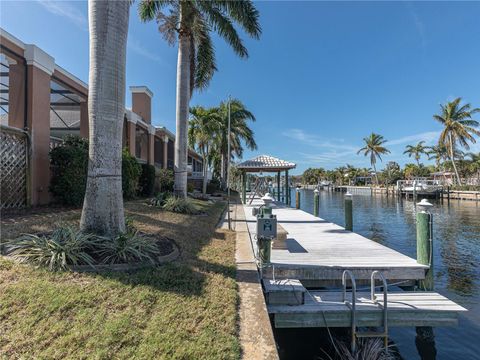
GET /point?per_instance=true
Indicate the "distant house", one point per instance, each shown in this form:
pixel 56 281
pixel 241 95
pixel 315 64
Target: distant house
pixel 444 177
pixel 41 103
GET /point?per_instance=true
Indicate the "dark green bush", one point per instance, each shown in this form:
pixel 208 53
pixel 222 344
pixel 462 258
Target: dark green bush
pixel 190 187
pixel 213 186
pixel 147 180
pixel 164 180
pixel 69 163
pixel 131 171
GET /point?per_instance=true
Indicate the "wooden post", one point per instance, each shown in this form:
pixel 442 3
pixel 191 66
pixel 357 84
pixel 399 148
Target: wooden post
pixel 244 187
pixel 348 212
pixel 424 243
pixel 316 202
pixel 278 185
pixel 425 337
pixel 287 189
pixel 297 198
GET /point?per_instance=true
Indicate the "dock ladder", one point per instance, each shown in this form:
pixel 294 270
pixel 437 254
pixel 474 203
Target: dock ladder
pixel 352 305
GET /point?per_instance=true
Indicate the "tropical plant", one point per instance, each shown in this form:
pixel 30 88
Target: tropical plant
pixel 63 247
pixel 129 247
pixel 240 133
pixel 180 205
pixel 159 199
pixel 204 126
pixel 374 148
pixel 459 128
pixel 103 211
pixel 164 180
pixel 131 171
pixel 438 153
pixel 416 151
pixel 190 23
pixel 68 163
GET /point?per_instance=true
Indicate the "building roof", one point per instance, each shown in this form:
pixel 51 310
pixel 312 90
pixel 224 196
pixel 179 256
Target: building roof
pixel 265 163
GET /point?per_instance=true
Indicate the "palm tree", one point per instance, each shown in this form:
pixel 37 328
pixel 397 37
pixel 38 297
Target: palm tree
pixel 191 23
pixel 416 151
pixel 374 147
pixel 240 132
pixel 459 128
pixel 438 153
pixel 103 204
pixel 204 126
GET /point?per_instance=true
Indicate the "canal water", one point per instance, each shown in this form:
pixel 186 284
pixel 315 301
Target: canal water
pixel 390 221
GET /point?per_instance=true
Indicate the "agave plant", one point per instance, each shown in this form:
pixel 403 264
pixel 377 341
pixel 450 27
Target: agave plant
pixel 58 250
pixel 127 248
pixel 160 199
pixel 180 205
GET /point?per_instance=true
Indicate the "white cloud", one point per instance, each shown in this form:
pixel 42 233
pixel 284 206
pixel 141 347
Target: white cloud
pixel 316 141
pixel 429 137
pixel 67 10
pixel 135 46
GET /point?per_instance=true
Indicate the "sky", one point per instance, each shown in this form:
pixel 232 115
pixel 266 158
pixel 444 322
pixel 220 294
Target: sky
pixel 323 75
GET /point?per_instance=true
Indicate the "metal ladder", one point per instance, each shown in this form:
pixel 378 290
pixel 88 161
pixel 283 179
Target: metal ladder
pixel 352 305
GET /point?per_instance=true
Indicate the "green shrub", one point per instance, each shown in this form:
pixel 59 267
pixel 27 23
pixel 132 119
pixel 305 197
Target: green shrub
pixel 160 199
pixel 164 180
pixel 213 186
pixel 64 246
pixel 69 163
pixel 127 248
pixel 147 180
pixel 131 171
pixel 190 187
pixel 180 205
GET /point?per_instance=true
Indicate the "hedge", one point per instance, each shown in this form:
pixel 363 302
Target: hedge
pixel 69 164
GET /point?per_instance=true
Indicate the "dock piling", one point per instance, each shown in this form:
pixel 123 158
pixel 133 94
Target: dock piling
pixel 425 243
pixel 348 212
pixel 297 198
pixel 316 202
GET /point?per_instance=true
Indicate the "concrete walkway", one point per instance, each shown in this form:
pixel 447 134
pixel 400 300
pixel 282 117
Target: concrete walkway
pixel 256 335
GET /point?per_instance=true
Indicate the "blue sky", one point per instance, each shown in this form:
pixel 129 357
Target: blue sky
pixel 323 75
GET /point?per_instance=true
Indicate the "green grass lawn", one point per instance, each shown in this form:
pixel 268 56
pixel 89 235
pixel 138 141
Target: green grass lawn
pixel 183 310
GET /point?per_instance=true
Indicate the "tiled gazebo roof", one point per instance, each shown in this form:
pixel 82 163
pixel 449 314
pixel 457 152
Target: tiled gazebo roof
pixel 265 163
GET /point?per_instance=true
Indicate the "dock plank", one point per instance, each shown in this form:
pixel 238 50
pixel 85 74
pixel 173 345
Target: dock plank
pixel 321 250
pixel 322 309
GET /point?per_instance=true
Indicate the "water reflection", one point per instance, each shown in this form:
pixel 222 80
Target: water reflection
pixel 392 222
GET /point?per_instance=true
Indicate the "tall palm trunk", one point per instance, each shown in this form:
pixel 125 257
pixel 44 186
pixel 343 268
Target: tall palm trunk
pixel 103 205
pixel 453 159
pixel 375 171
pixel 205 173
pixel 183 100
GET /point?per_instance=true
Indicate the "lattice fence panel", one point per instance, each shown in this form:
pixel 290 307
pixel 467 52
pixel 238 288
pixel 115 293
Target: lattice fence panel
pixel 13 169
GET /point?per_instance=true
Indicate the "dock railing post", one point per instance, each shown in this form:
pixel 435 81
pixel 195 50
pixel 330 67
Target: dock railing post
pixel 297 198
pixel 425 243
pixel 425 339
pixel 348 212
pixel 316 202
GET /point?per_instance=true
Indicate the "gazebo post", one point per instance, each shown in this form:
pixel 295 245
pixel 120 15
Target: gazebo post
pixel 244 186
pixel 287 189
pixel 278 185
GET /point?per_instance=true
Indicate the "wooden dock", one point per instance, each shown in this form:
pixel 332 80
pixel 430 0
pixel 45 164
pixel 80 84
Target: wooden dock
pixel 317 254
pixel 320 250
pixel 322 309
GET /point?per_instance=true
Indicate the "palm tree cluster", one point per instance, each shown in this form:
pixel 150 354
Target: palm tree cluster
pixel 208 133
pixel 459 130
pixel 190 24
